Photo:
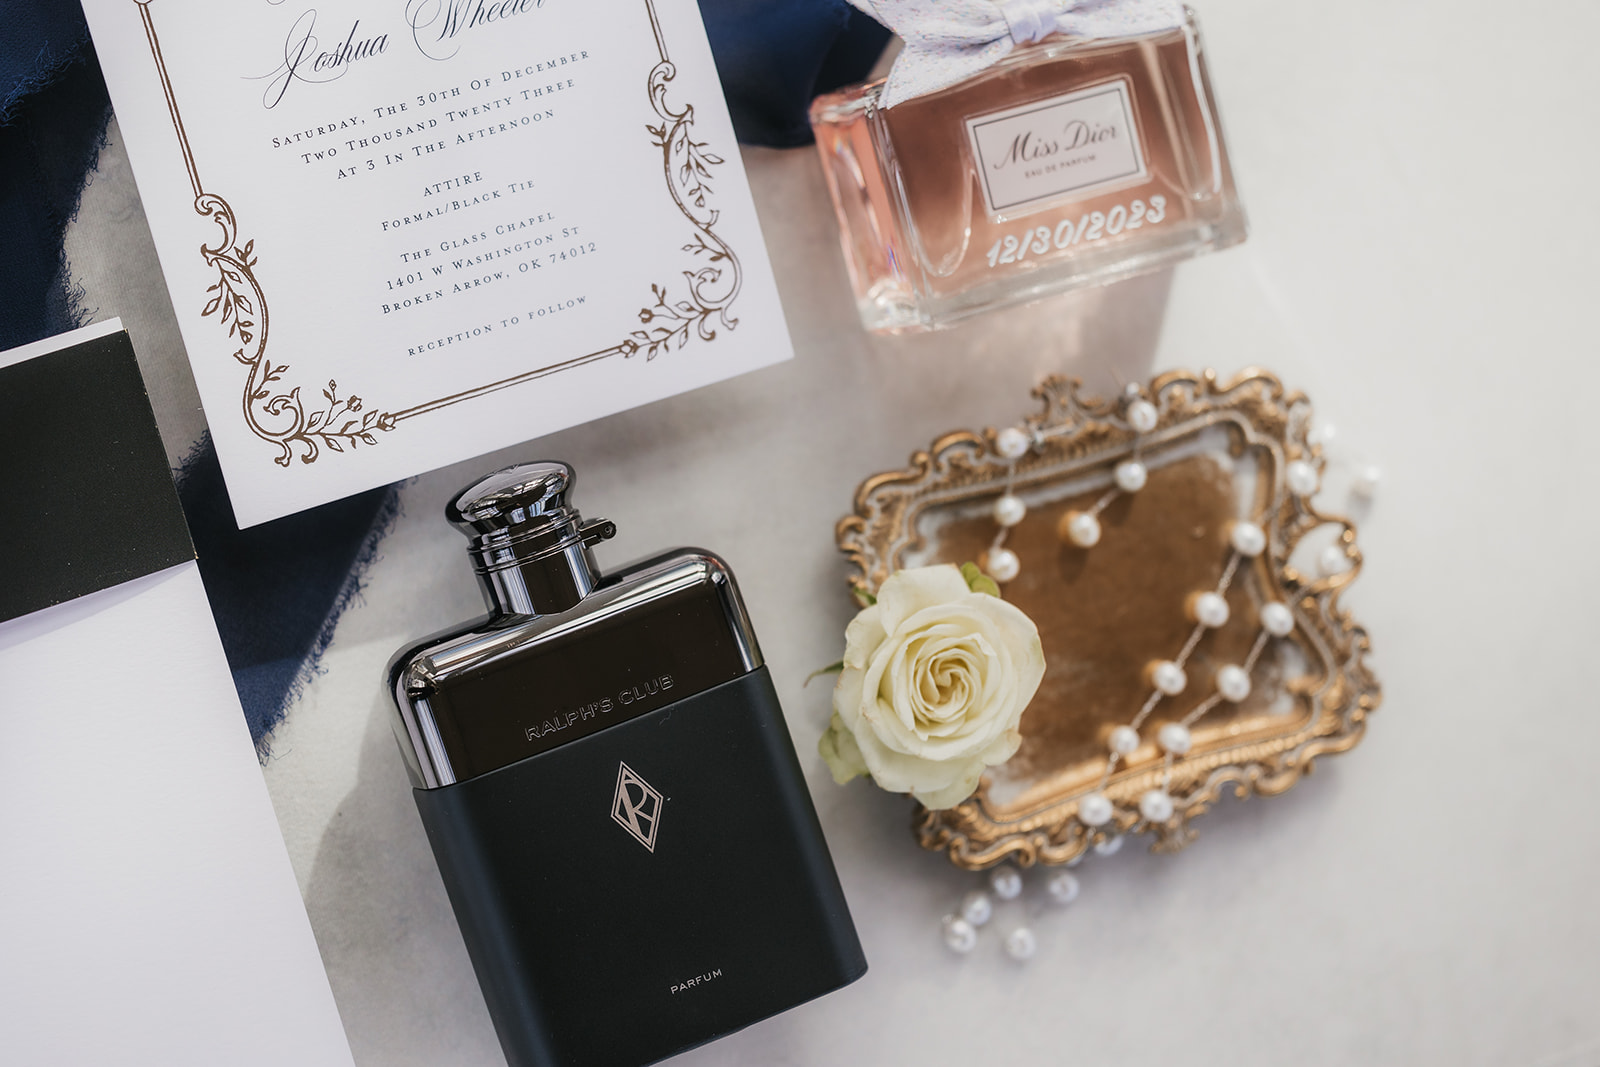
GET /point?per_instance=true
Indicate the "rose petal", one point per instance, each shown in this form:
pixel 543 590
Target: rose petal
pixel 840 751
pixel 863 636
pixel 904 593
pixel 1001 748
pixel 955 792
pixel 847 696
pixel 901 773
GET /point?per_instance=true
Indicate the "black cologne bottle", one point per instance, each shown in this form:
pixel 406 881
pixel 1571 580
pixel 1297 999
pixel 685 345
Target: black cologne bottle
pixel 605 776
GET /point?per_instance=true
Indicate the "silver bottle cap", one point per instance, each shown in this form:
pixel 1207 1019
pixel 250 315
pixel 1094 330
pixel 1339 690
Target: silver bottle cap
pixel 529 546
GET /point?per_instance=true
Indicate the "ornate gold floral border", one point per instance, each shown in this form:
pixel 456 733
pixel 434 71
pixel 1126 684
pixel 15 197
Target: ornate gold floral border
pixel 1073 434
pixel 278 414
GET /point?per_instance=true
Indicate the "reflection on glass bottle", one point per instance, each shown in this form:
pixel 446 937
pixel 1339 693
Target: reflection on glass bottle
pixel 1069 162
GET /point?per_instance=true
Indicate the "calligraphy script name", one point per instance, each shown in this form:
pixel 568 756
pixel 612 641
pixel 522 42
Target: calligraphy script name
pixel 305 59
pixel 435 24
pixel 1032 147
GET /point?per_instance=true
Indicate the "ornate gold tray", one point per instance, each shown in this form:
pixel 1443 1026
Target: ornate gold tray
pixel 1219 452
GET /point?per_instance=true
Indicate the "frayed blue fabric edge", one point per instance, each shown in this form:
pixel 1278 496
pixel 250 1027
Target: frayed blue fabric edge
pixel 64 307
pixel 72 293
pixel 46 69
pixel 275 642
pixel 311 668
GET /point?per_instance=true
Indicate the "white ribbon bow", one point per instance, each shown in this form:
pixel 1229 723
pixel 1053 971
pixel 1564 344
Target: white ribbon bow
pixel 948 40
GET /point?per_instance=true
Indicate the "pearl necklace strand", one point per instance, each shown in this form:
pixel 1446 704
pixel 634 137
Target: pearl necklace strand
pixel 1081 528
pixel 1168 678
pixel 1208 609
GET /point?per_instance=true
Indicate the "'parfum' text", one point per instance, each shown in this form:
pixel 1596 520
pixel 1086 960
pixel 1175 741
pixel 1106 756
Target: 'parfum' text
pixel 699 979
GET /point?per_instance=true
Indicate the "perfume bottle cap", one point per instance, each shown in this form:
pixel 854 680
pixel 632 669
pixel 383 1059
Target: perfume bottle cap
pixel 530 547
pixel 511 496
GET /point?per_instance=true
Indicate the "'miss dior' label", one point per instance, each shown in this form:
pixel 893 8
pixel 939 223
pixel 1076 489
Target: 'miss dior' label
pixel 1066 147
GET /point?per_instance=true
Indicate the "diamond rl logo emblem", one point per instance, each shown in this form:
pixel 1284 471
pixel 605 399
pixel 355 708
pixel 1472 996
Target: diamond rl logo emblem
pixel 636 807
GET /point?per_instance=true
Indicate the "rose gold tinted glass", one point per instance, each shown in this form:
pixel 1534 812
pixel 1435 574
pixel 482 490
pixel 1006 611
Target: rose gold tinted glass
pixel 1068 163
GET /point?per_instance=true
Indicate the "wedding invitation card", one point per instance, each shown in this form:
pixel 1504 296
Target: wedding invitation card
pixel 401 233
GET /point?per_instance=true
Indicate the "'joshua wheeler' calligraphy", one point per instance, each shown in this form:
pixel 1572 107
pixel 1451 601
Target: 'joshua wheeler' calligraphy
pixel 305 61
pixel 435 22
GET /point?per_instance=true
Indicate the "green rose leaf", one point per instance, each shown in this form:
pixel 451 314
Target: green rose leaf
pixel 977 581
pixel 832 668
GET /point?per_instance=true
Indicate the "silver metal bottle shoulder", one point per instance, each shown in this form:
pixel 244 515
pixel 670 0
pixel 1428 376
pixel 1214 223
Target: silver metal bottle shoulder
pixel 531 552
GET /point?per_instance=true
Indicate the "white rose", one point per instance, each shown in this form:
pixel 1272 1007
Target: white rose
pixel 935 680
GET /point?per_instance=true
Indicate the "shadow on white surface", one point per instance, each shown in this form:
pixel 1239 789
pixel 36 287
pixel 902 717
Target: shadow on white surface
pixel 394 955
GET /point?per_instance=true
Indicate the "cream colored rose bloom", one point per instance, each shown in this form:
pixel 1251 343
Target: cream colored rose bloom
pixel 935 680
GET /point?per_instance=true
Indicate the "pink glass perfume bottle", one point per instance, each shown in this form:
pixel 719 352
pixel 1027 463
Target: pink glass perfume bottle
pixel 1069 161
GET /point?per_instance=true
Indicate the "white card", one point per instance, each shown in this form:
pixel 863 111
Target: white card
pixel 150 915
pixel 400 234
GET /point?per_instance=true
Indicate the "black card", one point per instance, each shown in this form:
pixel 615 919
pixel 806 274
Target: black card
pixel 86 496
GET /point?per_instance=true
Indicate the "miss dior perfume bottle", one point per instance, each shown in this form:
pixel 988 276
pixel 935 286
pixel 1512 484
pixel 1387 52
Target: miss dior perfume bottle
pixel 1070 161
pixel 605 776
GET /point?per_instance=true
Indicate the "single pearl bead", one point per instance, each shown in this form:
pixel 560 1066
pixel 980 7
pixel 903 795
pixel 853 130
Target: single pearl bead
pixel 1012 442
pixel 1131 475
pixel 1323 434
pixel 976 907
pixel 1001 564
pixel 1094 810
pixel 1006 882
pixel 1277 619
pixel 1168 677
pixel 1247 539
pixel 1332 560
pixel 1109 847
pixel 959 934
pixel 1009 510
pixel 1062 887
pixel 1233 683
pixel 1156 806
pixel 1211 610
pixel 1143 416
pixel 1124 740
pixel 1365 482
pixel 1081 528
pixel 1302 478
pixel 1174 737
pixel 1021 944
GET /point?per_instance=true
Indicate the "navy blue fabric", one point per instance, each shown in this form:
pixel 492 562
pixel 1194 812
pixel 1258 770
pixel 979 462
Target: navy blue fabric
pixel 37 41
pixel 773 56
pixel 277 589
pixel 53 115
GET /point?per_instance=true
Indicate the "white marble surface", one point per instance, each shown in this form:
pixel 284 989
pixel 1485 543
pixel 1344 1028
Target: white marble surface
pixel 1422 262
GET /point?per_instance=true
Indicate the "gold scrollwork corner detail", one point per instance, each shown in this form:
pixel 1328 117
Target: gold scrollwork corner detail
pixel 279 415
pixel 711 288
pixel 282 418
